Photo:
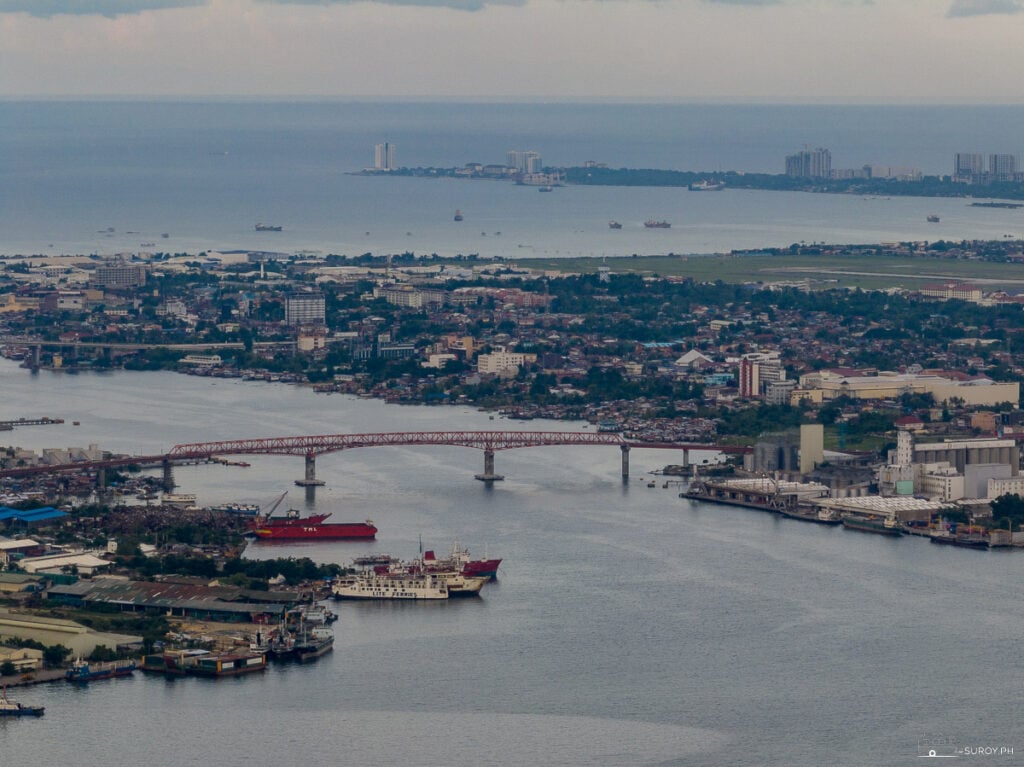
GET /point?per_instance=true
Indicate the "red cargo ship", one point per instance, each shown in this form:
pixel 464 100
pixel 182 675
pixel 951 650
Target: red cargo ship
pixel 294 527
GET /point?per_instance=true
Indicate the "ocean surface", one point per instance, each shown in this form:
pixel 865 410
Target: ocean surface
pixel 628 626
pixel 80 177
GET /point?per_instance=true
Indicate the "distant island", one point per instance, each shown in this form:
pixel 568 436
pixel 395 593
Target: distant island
pixel 598 175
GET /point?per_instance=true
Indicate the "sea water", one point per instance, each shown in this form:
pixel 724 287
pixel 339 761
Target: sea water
pixel 82 177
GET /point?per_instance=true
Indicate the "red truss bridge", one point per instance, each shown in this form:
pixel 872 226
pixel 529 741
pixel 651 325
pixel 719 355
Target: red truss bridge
pixel 489 441
pixel 309 447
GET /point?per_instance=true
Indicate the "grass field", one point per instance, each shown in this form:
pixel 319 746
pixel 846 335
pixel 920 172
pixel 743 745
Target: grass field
pixel 868 272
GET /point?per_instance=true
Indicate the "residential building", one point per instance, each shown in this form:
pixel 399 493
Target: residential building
pixel 810 163
pixel 384 156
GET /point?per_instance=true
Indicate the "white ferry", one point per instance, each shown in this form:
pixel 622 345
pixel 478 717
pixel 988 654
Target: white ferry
pixel 370 585
pixel 178 499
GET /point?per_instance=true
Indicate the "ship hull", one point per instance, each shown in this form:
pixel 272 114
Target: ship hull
pixel 323 532
pixel 93 673
pixel 866 526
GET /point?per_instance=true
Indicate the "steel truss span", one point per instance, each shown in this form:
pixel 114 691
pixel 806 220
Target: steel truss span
pixel 330 443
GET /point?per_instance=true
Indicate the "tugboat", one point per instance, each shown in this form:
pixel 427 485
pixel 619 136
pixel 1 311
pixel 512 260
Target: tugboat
pixel 11 708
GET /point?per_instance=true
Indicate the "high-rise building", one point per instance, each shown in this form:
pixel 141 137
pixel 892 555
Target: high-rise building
pixel 810 163
pixel 1002 167
pixel 524 162
pixel 384 156
pixel 968 164
pixel 305 309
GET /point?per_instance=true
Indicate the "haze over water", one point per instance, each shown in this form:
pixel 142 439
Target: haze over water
pixel 206 172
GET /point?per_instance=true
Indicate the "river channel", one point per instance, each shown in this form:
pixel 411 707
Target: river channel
pixel 628 626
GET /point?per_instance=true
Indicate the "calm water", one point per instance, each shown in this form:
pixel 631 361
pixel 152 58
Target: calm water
pixel 628 627
pixel 205 172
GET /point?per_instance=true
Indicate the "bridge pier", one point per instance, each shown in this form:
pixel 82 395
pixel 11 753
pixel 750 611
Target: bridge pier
pixel 489 475
pixel 168 477
pixel 310 479
pixel 625 461
pixel 101 477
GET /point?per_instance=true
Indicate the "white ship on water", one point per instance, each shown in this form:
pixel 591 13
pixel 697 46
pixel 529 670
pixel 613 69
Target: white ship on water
pixel 371 585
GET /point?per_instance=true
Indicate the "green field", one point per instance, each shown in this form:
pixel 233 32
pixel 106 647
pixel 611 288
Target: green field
pixel 822 272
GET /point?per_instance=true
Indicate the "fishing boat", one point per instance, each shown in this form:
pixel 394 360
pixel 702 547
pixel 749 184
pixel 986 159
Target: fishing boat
pixel 12 708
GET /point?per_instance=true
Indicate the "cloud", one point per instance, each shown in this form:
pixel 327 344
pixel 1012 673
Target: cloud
pixel 962 8
pixel 46 8
pixel 461 5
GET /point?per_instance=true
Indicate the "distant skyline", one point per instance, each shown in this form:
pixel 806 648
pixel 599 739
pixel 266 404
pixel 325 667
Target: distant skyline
pixel 779 51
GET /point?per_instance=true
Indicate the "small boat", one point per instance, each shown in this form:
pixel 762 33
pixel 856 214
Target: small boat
pixel 652 224
pixel 268 228
pixel 11 708
pixel 614 225
pixel 707 185
pixel 83 671
pixel 932 218
pixel 546 188
pixel 458 215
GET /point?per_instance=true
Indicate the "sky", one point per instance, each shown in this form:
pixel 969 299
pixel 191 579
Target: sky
pixel 731 51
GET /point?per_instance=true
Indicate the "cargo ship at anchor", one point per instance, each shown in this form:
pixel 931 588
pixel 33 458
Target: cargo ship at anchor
pixel 292 527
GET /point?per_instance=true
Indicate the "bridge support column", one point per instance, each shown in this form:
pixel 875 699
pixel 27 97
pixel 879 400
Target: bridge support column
pixel 101 477
pixel 168 477
pixel 310 479
pixel 489 475
pixel 686 457
pixel 37 358
pixel 625 461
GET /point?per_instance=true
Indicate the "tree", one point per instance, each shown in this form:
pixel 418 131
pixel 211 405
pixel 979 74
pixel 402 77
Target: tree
pixel 8 669
pixel 54 655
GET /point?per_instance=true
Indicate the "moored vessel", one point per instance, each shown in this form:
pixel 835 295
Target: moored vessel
pixel 872 524
pixel 964 541
pixel 12 708
pixel 178 499
pixel 397 585
pixel 229 664
pixel 293 526
pixel 83 671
